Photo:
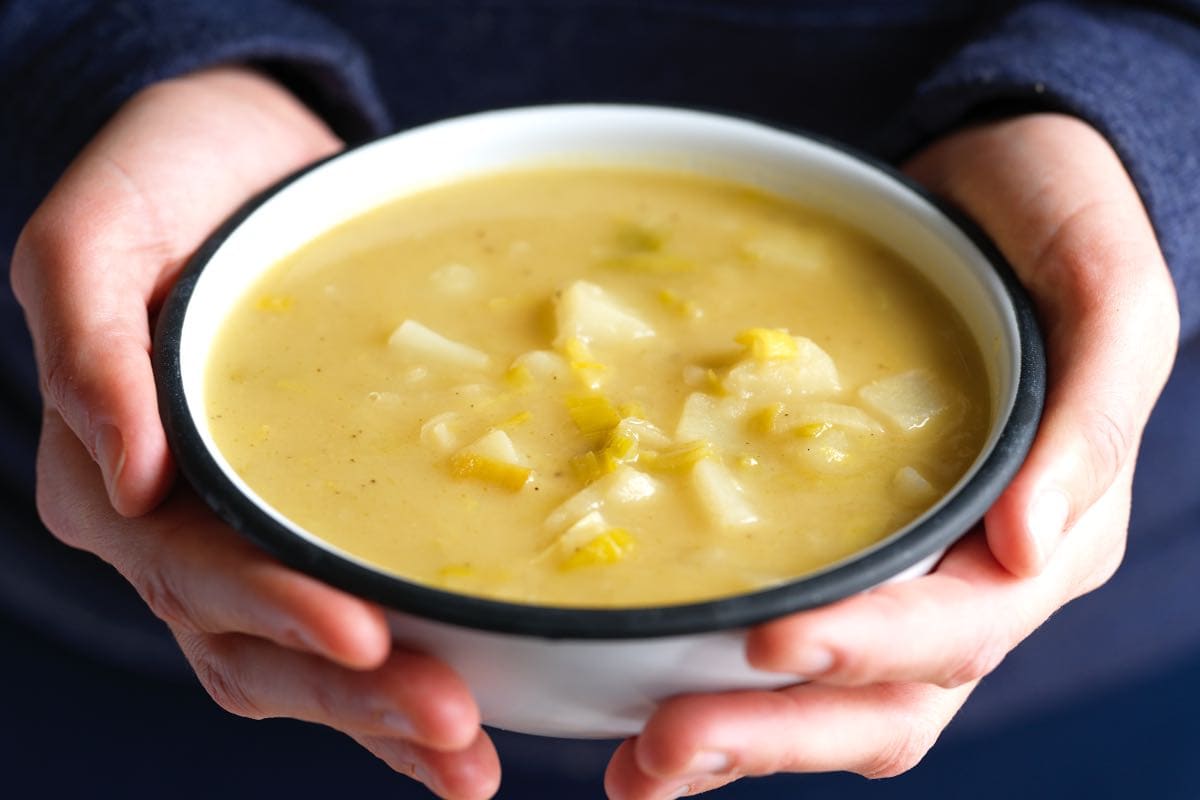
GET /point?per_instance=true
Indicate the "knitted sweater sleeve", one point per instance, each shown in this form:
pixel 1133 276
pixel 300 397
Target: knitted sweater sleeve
pixel 1132 70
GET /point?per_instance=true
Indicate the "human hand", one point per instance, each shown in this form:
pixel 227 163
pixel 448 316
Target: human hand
pixel 892 666
pixel 89 269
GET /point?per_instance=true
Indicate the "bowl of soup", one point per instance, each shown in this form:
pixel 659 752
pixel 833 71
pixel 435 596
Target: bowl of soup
pixel 580 393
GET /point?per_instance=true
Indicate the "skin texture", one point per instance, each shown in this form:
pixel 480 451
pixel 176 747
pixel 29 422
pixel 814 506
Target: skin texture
pixel 890 667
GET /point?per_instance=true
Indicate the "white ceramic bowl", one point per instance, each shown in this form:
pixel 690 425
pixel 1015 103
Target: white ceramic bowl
pixel 600 672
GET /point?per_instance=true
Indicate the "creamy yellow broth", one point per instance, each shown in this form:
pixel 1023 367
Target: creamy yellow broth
pixel 597 387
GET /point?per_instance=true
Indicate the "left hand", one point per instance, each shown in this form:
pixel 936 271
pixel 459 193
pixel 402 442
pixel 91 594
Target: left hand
pixel 892 666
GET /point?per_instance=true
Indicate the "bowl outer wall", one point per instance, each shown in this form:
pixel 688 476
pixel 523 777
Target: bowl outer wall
pixel 936 531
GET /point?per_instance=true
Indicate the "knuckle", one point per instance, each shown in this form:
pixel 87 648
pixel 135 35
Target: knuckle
pixel 57 374
pixel 163 598
pixel 1109 437
pixel 223 686
pixel 906 749
pixel 977 663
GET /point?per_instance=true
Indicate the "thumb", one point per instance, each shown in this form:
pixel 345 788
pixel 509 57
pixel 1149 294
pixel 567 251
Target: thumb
pixel 1057 201
pixel 1110 321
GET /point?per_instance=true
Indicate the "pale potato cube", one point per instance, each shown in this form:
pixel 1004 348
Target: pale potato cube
pixel 591 525
pixel 418 343
pixel 819 412
pixel 438 433
pixel 586 312
pixel 629 486
pixel 645 432
pixel 543 365
pixel 454 278
pixel 804 250
pixel 809 372
pixel 625 485
pixel 721 496
pixel 912 486
pixel 496 445
pixel 705 418
pixel 829 453
pixel 908 400
pixel 699 420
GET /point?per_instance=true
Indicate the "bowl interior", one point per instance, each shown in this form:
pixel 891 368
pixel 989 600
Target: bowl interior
pixel 805 170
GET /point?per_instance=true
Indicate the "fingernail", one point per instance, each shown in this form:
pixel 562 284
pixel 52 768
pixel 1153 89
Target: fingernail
pixel 1047 519
pixel 812 662
pixel 682 791
pixel 399 724
pixel 110 455
pixel 709 762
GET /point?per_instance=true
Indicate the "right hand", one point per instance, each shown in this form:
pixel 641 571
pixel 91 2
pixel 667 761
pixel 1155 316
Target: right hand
pixel 89 269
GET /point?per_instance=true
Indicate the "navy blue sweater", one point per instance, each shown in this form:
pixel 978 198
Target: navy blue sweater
pixel 887 77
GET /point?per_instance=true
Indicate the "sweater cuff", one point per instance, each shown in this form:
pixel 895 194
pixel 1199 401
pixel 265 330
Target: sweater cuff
pixel 1130 72
pixel 72 65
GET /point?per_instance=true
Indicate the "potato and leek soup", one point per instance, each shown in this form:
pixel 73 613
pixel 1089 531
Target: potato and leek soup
pixel 597 387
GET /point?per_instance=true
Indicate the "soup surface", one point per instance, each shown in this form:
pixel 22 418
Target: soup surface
pixel 597 387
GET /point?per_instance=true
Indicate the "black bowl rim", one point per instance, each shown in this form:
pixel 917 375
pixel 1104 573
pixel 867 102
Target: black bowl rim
pixel 938 531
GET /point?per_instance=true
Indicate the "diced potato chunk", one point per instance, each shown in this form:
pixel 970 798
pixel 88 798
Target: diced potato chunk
pixel 912 486
pixel 795 249
pixel 586 312
pixel 721 496
pixel 626 485
pixel 419 343
pixel 699 419
pixel 589 526
pixel 609 547
pixel 647 433
pixel 543 365
pixel 809 371
pixel 496 445
pixel 438 433
pixel 908 400
pixel 492 459
pixel 828 452
pixel 454 278
pixel 817 412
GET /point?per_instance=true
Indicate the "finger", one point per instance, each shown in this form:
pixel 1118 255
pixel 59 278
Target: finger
pixel 1104 296
pixel 697 741
pixel 113 233
pixel 92 342
pixel 410 696
pixel 193 571
pixel 951 627
pixel 470 774
pixel 625 779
